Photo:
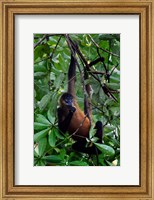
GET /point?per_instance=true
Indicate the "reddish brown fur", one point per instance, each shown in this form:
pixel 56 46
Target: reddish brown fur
pixel 78 122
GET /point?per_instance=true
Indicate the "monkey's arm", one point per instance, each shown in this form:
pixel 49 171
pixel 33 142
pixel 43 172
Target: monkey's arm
pixel 63 124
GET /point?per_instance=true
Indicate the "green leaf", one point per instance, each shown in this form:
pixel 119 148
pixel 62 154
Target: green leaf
pixel 109 163
pixel 35 153
pixel 107 150
pixel 114 86
pixel 52 76
pixel 41 50
pixel 40 163
pixel 55 59
pixel 39 68
pixel 109 128
pixel 50 117
pixel 78 163
pixel 52 138
pixel 115 110
pixel 53 104
pixel 41 134
pixel 59 80
pixel 94 139
pixel 115 142
pixel 59 135
pixel 115 79
pixel 39 74
pixel 52 159
pixel 42 146
pixel 44 101
pixel 39 126
pixel 92 133
pixel 42 119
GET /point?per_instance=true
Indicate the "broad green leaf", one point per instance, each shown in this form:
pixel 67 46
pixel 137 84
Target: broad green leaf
pixel 50 117
pixel 59 135
pixel 78 163
pixel 40 68
pixel 44 101
pixel 40 126
pixel 110 134
pixel 39 74
pixel 55 59
pixel 41 50
pixel 53 104
pixel 115 110
pixel 107 150
pixel 94 139
pixel 41 134
pixel 42 119
pixel 115 142
pixel 109 128
pixel 115 79
pixel 52 76
pixel 42 146
pixel 92 132
pixel 35 153
pixel 40 163
pixel 59 80
pixel 52 159
pixel 109 163
pixel 35 161
pixel 52 138
pixel 114 86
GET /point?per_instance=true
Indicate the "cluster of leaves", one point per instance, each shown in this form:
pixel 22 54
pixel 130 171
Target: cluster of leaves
pixel 51 62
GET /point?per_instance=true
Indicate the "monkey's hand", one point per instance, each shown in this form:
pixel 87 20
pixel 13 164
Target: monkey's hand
pixel 71 109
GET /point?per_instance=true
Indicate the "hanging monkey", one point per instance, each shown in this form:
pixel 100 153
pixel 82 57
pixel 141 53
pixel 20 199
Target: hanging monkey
pixel 70 117
pixel 73 120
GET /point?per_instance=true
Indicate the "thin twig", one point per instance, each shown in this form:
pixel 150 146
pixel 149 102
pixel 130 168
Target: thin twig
pixel 97 72
pixel 35 45
pixel 102 48
pixel 113 69
pixel 55 48
pixel 79 127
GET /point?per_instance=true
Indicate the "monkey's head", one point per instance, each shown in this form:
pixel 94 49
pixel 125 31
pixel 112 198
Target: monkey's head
pixel 67 100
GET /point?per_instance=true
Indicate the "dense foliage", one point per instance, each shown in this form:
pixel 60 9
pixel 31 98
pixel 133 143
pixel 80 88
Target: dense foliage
pixel 51 62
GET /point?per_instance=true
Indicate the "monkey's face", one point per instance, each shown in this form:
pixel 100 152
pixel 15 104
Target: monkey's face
pixel 67 99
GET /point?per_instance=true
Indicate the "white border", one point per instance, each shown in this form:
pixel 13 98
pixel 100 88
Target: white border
pixel 128 172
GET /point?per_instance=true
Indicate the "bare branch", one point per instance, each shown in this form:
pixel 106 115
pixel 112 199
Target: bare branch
pixel 113 69
pixel 55 48
pixel 44 37
pixel 98 47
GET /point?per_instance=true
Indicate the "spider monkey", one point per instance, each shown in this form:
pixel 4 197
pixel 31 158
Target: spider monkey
pixel 72 119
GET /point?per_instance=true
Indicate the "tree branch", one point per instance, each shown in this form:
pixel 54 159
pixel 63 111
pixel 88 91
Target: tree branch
pixel 44 37
pixel 98 47
pixel 103 86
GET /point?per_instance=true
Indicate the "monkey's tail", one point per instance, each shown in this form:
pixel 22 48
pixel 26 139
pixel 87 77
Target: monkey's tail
pixel 72 75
